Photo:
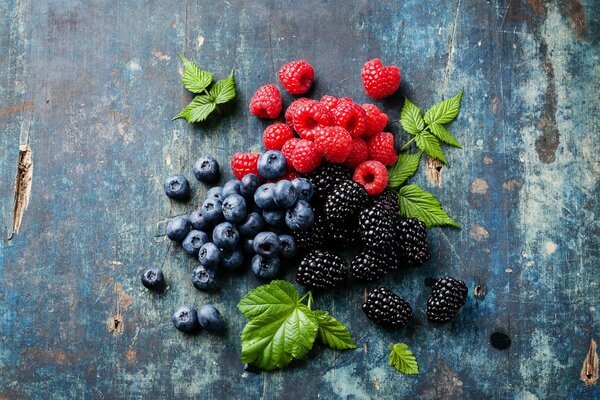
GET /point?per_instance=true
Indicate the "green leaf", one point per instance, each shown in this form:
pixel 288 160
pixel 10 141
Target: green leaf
pixel 410 118
pixel 277 297
pixel 198 110
pixel 404 168
pixel 430 146
pixel 194 79
pixel 223 90
pixel 444 111
pixel 333 333
pixel 445 136
pixel 414 202
pixel 403 359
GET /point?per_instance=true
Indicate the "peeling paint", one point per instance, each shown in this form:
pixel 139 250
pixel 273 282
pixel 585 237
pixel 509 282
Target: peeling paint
pixel 479 186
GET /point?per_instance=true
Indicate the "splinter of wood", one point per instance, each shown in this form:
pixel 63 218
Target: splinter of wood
pixel 589 372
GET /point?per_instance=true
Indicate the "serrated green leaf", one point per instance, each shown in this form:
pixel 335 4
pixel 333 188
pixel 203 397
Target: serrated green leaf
pixel 223 90
pixel 194 79
pixel 430 146
pixel 442 134
pixel 410 118
pixel 198 110
pixel 403 359
pixel 414 202
pixel 333 333
pixel 445 111
pixel 277 297
pixel 404 168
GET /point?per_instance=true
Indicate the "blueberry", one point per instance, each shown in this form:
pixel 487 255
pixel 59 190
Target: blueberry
pixel 212 210
pixel 215 193
pixel 288 246
pixel 304 188
pixel 284 194
pixel 198 221
pixel 193 241
pixel 153 279
pixel 272 164
pixel 210 318
pixel 177 187
pixel 234 208
pixel 274 217
pixel 247 246
pixel 300 217
pixel 204 278
pixel 209 255
pixel 265 267
pixel 186 319
pixel 226 236
pixel 206 169
pixel 232 259
pixel 249 184
pixel 263 197
pixel 252 224
pixel 266 244
pixel 178 228
pixel 231 187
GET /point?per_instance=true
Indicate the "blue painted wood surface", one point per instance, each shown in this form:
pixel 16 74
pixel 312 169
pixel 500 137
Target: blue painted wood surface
pixel 92 87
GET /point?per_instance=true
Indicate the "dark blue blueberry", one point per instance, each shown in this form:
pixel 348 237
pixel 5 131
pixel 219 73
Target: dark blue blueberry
pixel 266 267
pixel 252 224
pixel 272 164
pixel 206 169
pixel 204 278
pixel 198 221
pixel 300 217
pixel 266 244
pixel 209 255
pixel 177 187
pixel 186 319
pixel 178 228
pixel 304 188
pixel 247 245
pixel 288 246
pixel 226 236
pixel 249 184
pixel 274 217
pixel 231 187
pixel 193 241
pixel 153 279
pixel 263 197
pixel 284 194
pixel 210 318
pixel 212 210
pixel 232 259
pixel 234 208
pixel 215 193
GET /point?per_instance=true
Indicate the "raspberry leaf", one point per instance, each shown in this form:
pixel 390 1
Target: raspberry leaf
pixel 444 111
pixel 414 202
pixel 430 146
pixel 278 297
pixel 198 110
pixel 333 333
pixel 442 134
pixel 223 90
pixel 404 168
pixel 410 118
pixel 403 359
pixel 194 79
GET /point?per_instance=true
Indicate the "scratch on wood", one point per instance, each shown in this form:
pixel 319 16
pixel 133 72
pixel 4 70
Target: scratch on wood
pixel 22 187
pixel 451 48
pixel 115 323
pixel 16 109
pixel 434 171
pixel 589 371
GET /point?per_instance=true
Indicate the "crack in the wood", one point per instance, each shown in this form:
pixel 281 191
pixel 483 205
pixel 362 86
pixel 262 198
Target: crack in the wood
pixel 22 187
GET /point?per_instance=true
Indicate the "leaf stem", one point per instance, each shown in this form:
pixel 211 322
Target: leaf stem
pixel 408 143
pixel 303 297
pixel 310 299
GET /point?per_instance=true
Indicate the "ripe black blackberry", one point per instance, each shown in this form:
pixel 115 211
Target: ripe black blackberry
pixel 326 177
pixel 321 270
pixel 344 201
pixel 313 237
pixel 388 200
pixel 448 295
pixel 376 228
pixel 411 241
pixel 387 309
pixel 340 235
pixel 367 266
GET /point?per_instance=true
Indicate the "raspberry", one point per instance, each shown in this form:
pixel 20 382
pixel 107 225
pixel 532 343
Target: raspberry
pixel 321 270
pixel 448 295
pixel 380 81
pixel 351 117
pixel 376 120
pixel 306 156
pixel 334 142
pixel 288 148
pixel 381 148
pixel 297 76
pixel 358 153
pixel 266 102
pixel 372 175
pixel 330 102
pixel 244 163
pixel 289 113
pixel 276 135
pixel 387 309
pixel 309 116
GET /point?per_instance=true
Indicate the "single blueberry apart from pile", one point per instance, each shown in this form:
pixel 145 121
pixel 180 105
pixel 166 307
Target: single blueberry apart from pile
pixel 210 318
pixel 215 193
pixel 177 187
pixel 249 184
pixel 272 164
pixel 300 217
pixel 204 278
pixel 226 236
pixel 304 188
pixel 274 218
pixel 206 169
pixel 178 228
pixel 231 187
pixel 231 260
pixel 186 319
pixel 212 210
pixel 288 246
pixel 266 244
pixel 153 279
pixel 252 224
pixel 198 221
pixel 263 197
pixel 234 208
pixel 193 241
pixel 209 255
pixel 284 194
pixel 265 267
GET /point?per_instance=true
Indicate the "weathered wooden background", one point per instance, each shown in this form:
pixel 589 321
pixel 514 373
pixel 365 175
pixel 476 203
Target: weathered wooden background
pixel 92 86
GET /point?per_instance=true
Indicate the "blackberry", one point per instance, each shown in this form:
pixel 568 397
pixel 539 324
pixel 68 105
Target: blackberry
pixel 321 270
pixel 326 177
pixel 313 237
pixel 340 235
pixel 411 241
pixel 376 228
pixel 388 200
pixel 344 201
pixel 448 295
pixel 370 265
pixel 387 309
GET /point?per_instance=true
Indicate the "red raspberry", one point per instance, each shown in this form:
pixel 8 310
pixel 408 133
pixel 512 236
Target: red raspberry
pixel 376 120
pixel 288 148
pixel 381 148
pixel 334 142
pixel 358 154
pixel 266 102
pixel 289 113
pixel 276 135
pixel 309 116
pixel 244 163
pixel 330 102
pixel 380 81
pixel 306 156
pixel 350 116
pixel 297 76
pixel 372 175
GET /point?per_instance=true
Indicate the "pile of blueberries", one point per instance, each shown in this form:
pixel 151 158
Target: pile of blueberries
pixel 242 219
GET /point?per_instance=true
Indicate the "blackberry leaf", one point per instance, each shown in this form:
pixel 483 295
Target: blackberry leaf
pixel 403 359
pixel 430 146
pixel 198 110
pixel 194 79
pixel 414 202
pixel 278 297
pixel 410 118
pixel 223 90
pixel 404 168
pixel 444 111
pixel 333 333
pixel 442 134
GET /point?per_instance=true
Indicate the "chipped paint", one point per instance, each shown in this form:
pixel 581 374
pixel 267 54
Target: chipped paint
pixel 160 55
pixel 479 186
pixel 478 233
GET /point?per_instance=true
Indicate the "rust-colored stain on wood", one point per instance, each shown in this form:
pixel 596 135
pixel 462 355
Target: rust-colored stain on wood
pixel 17 108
